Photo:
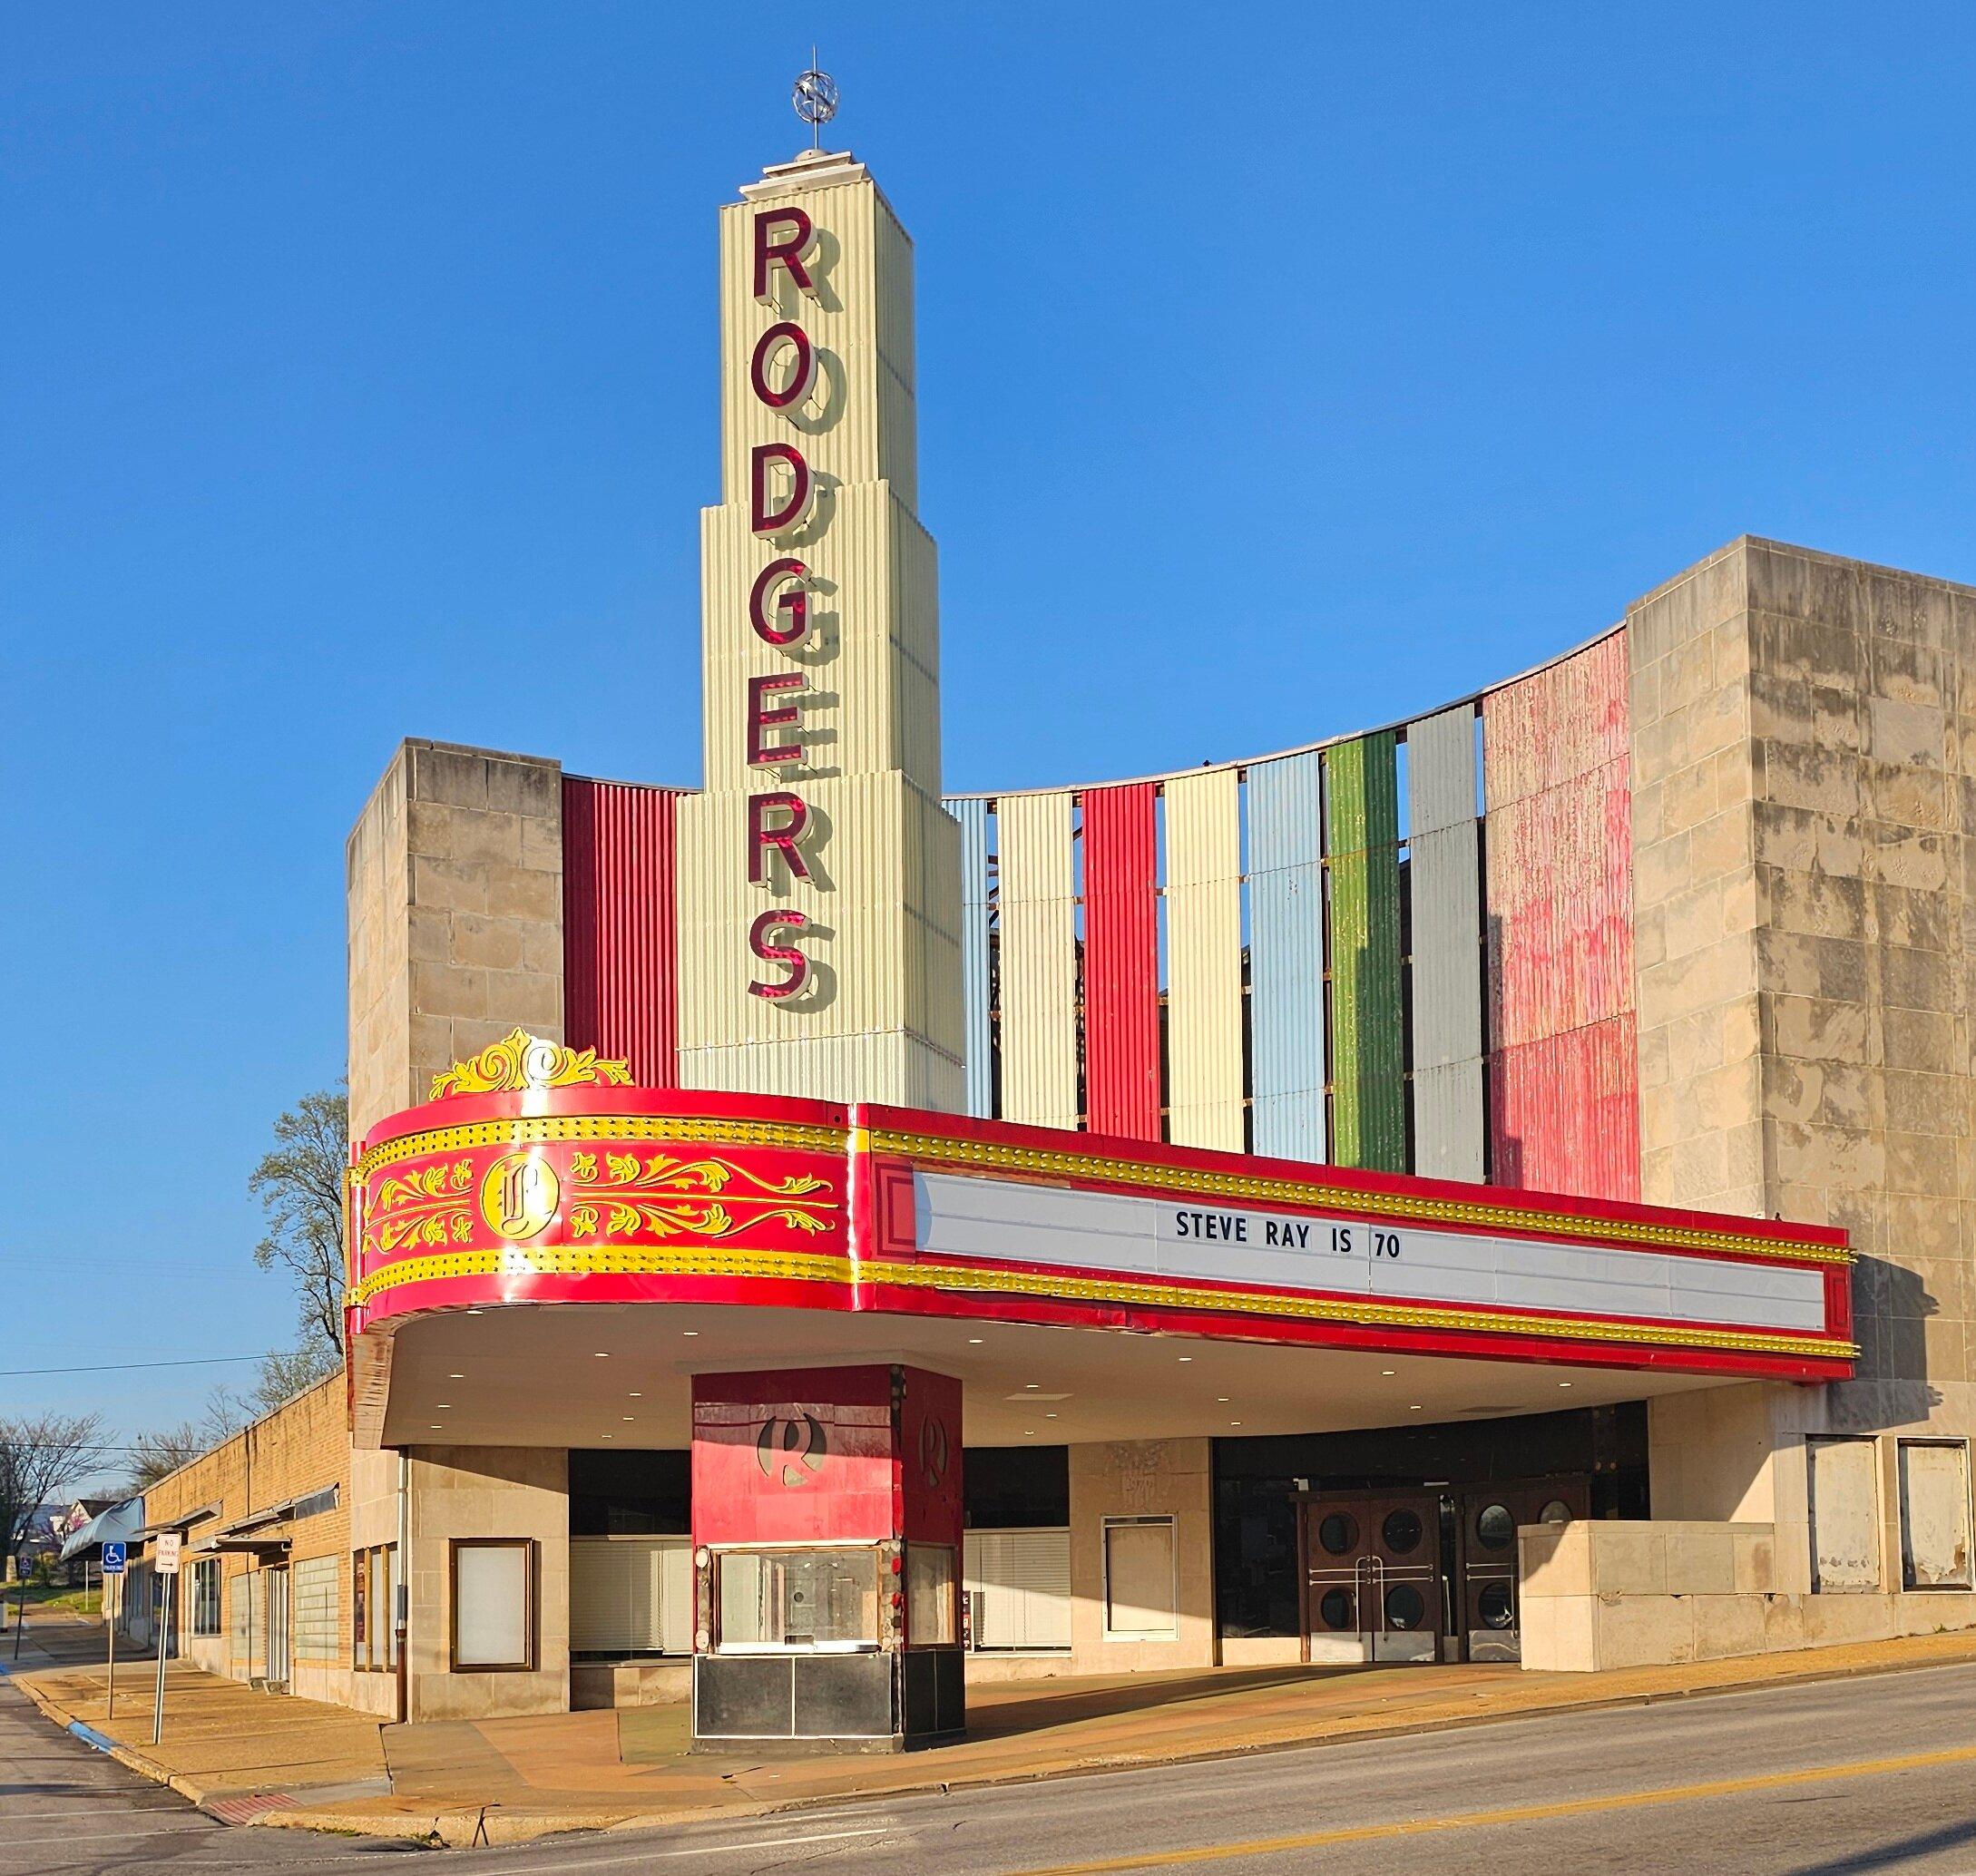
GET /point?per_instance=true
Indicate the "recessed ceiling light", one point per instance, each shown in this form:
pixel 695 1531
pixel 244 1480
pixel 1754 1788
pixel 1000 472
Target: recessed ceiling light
pixel 1186 1358
pixel 455 1377
pixel 627 1420
pixel 472 1312
pixel 1032 1383
pixel 607 1436
pixel 1049 1416
pixel 441 1406
pixel 603 1354
pixel 1416 1408
pixel 1029 1432
pixel 634 1397
pixel 1564 1383
pixel 1223 1399
pixel 436 1425
pixel 1234 1423
pixel 1388 1372
pixel 690 1332
pixel 973 1341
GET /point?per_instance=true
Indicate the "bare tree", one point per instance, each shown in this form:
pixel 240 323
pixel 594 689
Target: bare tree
pixel 161 1450
pixel 300 1187
pixel 39 1454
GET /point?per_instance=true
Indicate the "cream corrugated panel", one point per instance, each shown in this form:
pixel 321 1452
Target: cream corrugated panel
pixel 1019 1582
pixel 1204 960
pixel 315 1633
pixel 1039 960
pixel 631 1595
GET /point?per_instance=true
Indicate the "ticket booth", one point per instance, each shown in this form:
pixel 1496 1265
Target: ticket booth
pixel 826 1559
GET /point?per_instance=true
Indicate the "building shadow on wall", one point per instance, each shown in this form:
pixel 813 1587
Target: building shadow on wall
pixel 1891 1307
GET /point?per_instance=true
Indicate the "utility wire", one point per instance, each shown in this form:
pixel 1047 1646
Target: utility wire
pixel 130 1367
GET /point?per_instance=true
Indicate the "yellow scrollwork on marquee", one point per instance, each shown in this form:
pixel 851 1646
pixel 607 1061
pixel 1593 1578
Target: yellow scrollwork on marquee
pixel 622 1196
pixel 519 1062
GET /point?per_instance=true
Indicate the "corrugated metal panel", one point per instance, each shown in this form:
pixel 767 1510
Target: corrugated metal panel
pixel 1038 960
pixel 977 1044
pixel 1558 863
pixel 1368 1104
pixel 1204 960
pixel 620 925
pixel 1122 962
pixel 1286 957
pixel 1564 1112
pixel 1447 959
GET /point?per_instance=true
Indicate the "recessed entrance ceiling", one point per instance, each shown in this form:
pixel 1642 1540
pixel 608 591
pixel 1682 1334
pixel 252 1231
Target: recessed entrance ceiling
pixel 571 1374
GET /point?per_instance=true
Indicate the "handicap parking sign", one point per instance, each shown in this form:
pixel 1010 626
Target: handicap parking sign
pixel 112 1560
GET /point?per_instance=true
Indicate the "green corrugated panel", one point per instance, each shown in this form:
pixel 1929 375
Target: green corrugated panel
pixel 1362 853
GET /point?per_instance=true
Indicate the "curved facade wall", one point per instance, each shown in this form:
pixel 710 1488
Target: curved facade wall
pixel 1409 949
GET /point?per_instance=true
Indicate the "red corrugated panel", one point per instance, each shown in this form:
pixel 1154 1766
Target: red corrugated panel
pixel 1564 1061
pixel 621 948
pixel 1121 963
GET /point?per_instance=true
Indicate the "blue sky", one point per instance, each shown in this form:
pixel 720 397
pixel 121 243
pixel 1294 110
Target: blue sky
pixel 1282 369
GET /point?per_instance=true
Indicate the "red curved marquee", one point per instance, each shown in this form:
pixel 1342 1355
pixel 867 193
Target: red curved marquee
pixel 625 1194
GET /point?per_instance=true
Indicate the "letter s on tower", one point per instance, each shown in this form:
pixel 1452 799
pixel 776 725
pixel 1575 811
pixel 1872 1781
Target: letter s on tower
pixel 762 941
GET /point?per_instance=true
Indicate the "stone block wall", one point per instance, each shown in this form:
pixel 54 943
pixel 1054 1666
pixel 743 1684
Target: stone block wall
pixel 455 881
pixel 1805 798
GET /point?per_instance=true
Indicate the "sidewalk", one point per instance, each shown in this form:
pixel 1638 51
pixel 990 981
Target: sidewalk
pixel 282 1761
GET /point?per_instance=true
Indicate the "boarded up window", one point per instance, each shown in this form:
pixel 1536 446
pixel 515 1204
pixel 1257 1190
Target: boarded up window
pixel 317 1626
pixel 1844 1516
pixel 631 1595
pixel 1019 1587
pixel 1139 1579
pixel 1934 1514
pixel 239 1633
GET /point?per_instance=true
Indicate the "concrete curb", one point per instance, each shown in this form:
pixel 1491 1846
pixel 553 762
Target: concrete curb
pixel 457 1826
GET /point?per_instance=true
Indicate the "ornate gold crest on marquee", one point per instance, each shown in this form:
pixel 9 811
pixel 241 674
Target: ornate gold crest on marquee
pixel 520 1062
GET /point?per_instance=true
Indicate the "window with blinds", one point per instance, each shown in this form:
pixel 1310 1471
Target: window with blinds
pixel 1019 1589
pixel 631 1595
pixel 317 1628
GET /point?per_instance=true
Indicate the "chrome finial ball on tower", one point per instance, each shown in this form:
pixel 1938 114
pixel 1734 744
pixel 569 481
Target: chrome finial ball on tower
pixel 814 99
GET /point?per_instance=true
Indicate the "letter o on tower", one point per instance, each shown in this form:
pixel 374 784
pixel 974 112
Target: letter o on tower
pixel 803 375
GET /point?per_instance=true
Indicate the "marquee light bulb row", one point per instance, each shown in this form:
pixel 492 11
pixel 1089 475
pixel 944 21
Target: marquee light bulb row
pixel 781 493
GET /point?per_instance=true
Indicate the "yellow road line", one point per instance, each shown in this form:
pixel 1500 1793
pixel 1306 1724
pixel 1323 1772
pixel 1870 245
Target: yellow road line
pixel 1515 1815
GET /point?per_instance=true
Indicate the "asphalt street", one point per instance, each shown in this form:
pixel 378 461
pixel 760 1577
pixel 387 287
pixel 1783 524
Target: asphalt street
pixel 1836 1778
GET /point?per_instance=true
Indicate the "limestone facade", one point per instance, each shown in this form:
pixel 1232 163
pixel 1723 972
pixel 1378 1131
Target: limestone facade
pixel 1804 802
pixel 454 885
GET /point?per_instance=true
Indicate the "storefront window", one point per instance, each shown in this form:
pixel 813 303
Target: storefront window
pixel 929 1595
pixel 799 1598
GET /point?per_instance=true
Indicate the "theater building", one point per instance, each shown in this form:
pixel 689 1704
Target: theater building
pixel 1495 1185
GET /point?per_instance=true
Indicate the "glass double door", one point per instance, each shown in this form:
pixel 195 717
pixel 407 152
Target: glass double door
pixel 1371 1579
pixel 1491 1618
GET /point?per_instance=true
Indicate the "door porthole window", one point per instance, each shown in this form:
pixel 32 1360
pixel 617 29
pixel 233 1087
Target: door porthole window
pixel 1401 1531
pixel 1495 1606
pixel 1335 1609
pixel 1556 1512
pixel 1495 1530
pixel 1405 1607
pixel 1337 1533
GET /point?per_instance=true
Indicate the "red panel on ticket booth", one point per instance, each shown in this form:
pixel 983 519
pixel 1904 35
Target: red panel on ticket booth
pixel 793 1456
pixel 930 1456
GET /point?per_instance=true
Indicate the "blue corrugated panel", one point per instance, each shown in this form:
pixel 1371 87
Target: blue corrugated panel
pixel 1287 958
pixel 1448 1123
pixel 979 1082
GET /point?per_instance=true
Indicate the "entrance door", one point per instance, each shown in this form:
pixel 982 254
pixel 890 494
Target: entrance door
pixel 1372 1570
pixel 277 1581
pixel 1491 1621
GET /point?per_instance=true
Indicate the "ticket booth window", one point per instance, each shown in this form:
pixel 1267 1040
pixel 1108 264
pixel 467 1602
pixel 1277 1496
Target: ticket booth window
pixel 931 1619
pixel 779 1601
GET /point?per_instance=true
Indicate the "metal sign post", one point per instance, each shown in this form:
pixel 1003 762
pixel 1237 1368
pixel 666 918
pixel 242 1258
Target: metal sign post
pixel 166 1560
pixel 112 1567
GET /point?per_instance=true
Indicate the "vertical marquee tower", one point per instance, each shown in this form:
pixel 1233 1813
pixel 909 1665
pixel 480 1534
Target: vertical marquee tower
pixel 819 948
